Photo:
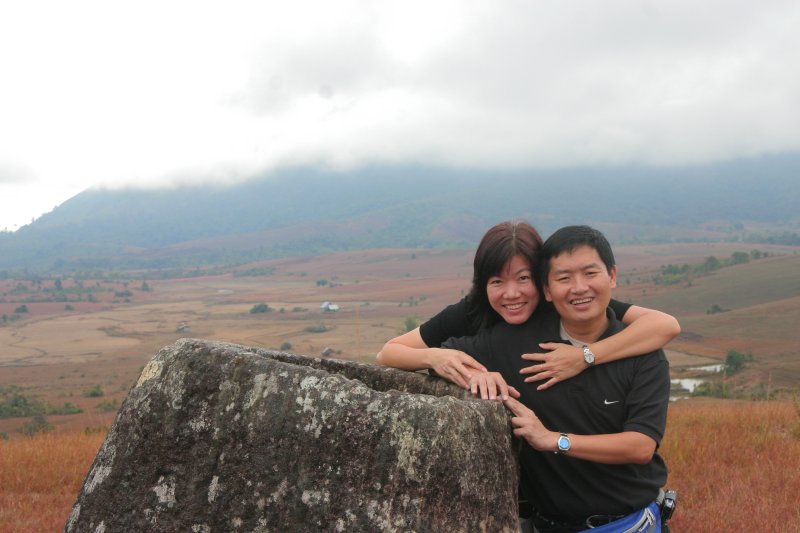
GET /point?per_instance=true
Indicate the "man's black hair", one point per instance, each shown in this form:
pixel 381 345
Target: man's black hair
pixel 568 239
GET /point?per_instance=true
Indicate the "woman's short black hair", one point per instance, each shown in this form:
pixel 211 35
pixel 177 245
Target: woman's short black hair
pixel 497 247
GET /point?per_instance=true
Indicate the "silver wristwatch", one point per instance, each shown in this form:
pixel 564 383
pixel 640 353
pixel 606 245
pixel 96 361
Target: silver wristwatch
pixel 564 444
pixel 588 356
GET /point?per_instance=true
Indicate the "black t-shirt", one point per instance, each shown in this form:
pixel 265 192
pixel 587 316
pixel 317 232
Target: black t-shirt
pixel 630 394
pixel 453 321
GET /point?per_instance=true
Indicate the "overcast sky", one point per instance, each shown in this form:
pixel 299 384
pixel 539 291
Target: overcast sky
pixel 113 93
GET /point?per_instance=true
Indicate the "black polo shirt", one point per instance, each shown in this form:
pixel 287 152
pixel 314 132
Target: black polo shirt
pixel 627 395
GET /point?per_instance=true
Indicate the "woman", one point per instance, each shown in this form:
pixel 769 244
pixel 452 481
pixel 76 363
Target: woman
pixel 503 288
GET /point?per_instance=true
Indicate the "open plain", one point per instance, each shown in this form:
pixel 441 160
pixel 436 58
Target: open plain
pixel 89 353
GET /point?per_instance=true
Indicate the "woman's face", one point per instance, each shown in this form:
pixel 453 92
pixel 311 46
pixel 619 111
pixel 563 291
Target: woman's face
pixel 512 293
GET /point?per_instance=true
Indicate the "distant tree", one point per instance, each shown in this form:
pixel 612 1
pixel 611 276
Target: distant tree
pixel 21 309
pixel 59 287
pixel 735 361
pixel 145 287
pixel 286 346
pixel 738 258
pixel 411 323
pixel 756 254
pixel 260 308
pixel 322 282
pixel 711 263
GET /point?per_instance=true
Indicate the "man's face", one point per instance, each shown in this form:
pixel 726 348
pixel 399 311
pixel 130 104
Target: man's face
pixel 579 285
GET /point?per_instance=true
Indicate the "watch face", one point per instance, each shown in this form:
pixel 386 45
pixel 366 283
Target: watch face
pixel 588 356
pixel 563 443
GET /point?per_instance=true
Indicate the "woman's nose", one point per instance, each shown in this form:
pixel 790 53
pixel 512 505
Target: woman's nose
pixel 512 289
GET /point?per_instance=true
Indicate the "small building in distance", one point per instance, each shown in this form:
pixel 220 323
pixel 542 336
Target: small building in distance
pixel 329 307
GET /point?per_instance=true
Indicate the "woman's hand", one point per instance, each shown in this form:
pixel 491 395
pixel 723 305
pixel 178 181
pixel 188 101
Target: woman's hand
pixel 455 366
pixel 561 363
pixel 491 384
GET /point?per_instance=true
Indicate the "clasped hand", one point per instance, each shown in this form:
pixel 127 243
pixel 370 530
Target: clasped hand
pixel 456 366
pixel 562 362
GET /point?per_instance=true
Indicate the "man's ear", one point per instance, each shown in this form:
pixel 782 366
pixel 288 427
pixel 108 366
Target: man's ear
pixel 547 295
pixel 613 274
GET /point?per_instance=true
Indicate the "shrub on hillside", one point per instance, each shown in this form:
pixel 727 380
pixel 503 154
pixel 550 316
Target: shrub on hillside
pixel 94 392
pixel 16 404
pixel 68 408
pixel 37 424
pixel 108 406
pixel 735 361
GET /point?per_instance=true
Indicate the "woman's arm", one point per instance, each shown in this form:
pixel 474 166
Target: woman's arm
pixel 647 330
pixel 409 352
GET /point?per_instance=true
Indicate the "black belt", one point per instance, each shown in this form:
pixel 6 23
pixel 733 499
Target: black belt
pixel 572 523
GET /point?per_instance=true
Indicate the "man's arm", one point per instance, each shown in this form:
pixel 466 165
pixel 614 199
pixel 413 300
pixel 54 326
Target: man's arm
pixel 613 448
pixel 647 330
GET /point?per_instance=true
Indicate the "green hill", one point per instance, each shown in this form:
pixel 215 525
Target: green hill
pixel 311 212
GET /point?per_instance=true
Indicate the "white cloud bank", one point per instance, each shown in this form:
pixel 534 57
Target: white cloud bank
pixel 146 93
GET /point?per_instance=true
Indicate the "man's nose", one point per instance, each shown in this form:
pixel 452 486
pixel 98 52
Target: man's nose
pixel 580 284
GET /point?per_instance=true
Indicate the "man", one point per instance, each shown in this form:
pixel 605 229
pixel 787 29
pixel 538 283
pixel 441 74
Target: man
pixel 590 455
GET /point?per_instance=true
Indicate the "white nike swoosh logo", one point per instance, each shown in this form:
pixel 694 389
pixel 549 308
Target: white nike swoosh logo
pixel 609 403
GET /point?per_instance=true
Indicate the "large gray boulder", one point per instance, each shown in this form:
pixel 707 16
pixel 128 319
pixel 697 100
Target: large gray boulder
pixel 222 437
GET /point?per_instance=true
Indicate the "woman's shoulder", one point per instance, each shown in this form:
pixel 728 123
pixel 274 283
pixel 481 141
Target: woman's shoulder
pixel 452 321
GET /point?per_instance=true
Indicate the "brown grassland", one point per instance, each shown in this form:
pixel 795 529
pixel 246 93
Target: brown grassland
pixel 733 462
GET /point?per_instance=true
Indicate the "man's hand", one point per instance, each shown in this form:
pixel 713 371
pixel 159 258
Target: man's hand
pixel 528 426
pixel 563 362
pixel 456 366
pixel 490 385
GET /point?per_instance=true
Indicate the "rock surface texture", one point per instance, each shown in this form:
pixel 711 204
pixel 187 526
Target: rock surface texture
pixel 222 437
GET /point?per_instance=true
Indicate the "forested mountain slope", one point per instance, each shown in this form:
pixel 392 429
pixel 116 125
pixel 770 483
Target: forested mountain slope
pixel 307 211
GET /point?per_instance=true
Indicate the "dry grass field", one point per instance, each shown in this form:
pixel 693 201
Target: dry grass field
pixel 89 353
pixel 733 463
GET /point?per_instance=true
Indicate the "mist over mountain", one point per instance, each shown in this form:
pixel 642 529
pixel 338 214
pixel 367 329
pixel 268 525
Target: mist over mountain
pixel 304 211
